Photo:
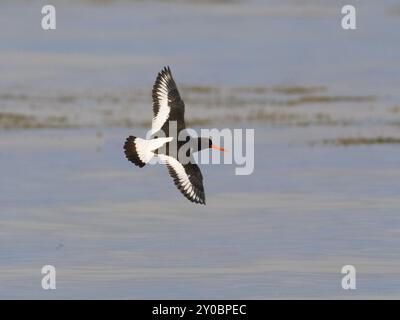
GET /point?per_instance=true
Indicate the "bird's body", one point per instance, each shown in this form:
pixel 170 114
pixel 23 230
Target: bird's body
pixel 169 123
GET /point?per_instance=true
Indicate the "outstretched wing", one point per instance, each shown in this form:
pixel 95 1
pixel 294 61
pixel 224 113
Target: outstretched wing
pixel 167 103
pixel 187 178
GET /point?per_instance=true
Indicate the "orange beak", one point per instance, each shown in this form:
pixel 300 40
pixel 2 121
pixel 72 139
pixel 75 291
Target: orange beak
pixel 217 148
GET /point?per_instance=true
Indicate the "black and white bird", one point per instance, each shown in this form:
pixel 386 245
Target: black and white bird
pixel 168 107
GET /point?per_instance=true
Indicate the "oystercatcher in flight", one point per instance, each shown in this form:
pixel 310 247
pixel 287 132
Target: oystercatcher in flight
pixel 167 107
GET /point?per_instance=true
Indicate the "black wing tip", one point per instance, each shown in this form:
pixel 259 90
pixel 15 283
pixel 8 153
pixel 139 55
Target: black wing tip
pixel 165 71
pixel 201 199
pixel 131 153
pixel 200 194
pixel 166 75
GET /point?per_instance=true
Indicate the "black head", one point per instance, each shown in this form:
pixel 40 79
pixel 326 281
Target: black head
pixel 203 143
pixel 206 143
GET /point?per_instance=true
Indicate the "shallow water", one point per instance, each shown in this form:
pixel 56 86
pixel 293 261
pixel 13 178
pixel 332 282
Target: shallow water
pixel 69 198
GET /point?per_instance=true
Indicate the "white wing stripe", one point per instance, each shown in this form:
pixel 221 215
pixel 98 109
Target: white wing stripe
pixel 164 109
pixel 145 148
pixel 182 176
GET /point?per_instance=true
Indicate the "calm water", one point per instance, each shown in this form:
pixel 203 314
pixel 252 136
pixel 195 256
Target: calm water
pixel 69 97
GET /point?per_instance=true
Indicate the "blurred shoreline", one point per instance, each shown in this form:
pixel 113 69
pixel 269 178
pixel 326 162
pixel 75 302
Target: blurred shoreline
pixel 271 63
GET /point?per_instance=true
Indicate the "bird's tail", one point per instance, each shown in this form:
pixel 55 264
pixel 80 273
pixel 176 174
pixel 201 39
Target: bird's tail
pixel 140 151
pixel 136 151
